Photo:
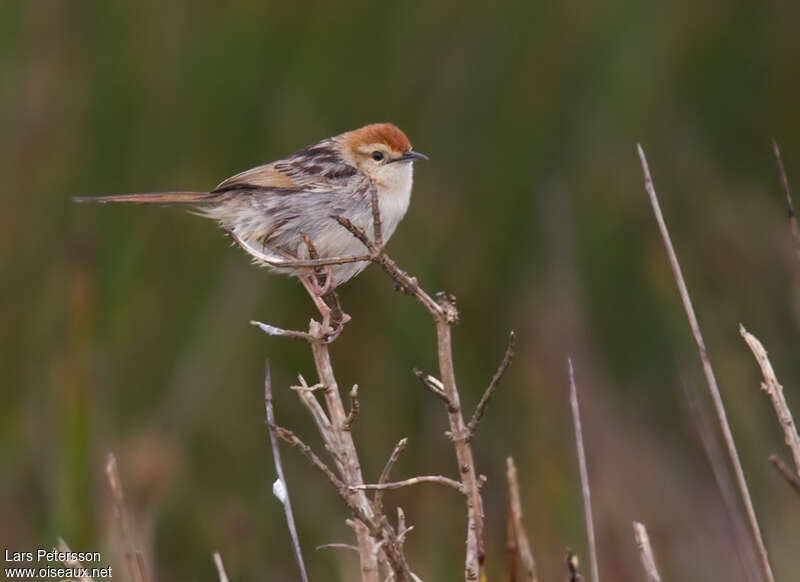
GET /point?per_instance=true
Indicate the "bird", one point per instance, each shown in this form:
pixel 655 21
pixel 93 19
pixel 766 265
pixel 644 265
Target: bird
pixel 283 211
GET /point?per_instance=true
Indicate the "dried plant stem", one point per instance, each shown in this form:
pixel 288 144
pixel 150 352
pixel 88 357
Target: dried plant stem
pixel 727 490
pixel 444 313
pixel 774 390
pixel 645 552
pixel 223 576
pixel 515 515
pixel 511 547
pixel 781 467
pixel 459 433
pixel 285 499
pixel 377 500
pixel 490 390
pixel 133 557
pixel 707 370
pixel 440 479
pixel 346 458
pixel 790 212
pixel 585 489
pixel 74 564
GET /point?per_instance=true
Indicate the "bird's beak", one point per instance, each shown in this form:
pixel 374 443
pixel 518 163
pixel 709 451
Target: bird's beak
pixel 410 156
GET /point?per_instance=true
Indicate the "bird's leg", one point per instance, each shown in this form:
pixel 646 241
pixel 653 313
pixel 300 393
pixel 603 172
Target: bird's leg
pixel 327 302
pixel 312 287
pixel 324 294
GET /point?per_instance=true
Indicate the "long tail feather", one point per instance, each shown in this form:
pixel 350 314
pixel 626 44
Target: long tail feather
pixel 154 198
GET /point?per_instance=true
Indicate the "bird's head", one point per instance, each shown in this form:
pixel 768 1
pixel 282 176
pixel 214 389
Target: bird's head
pixel 380 151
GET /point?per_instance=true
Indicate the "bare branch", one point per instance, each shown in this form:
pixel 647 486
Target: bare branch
pixel 587 493
pixel 384 477
pixel 645 552
pixel 223 576
pixel 441 480
pixel 774 390
pixel 276 456
pixel 306 395
pixel 790 212
pixel 74 564
pixel 277 331
pixel 707 370
pixel 515 515
pixel 781 467
pixel 472 425
pixel 355 406
pixel 133 556
pixel 289 437
pixel 511 546
pixel 337 547
pixel 434 385
pixel 403 280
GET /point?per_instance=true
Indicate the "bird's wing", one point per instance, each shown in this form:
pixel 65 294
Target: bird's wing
pixel 319 168
pixel 265 176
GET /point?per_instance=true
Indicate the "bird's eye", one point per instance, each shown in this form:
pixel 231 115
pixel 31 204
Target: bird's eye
pixel 377 156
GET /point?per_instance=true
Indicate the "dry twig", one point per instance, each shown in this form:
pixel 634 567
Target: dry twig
pixel 355 408
pixel 645 552
pixel 707 370
pixel 377 500
pixel 781 467
pixel 378 542
pixel 790 212
pixel 75 565
pixel 284 499
pixel 133 557
pixel 498 375
pixel 223 575
pixel 774 390
pixel 727 490
pixel 440 479
pixel 585 489
pixel 511 546
pixel 444 313
pixel 515 516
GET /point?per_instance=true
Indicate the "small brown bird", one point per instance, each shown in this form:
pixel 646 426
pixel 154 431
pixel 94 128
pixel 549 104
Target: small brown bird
pixel 268 209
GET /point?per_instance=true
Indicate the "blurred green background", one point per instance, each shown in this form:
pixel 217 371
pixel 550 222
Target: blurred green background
pixel 126 328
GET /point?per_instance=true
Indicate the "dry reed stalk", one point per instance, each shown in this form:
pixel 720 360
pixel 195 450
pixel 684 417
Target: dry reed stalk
pixel 133 557
pixel 774 390
pixel 645 552
pixel 711 380
pixel 281 489
pixel 518 528
pixel 585 489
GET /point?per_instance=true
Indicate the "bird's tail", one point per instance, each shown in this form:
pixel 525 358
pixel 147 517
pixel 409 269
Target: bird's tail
pixel 154 198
